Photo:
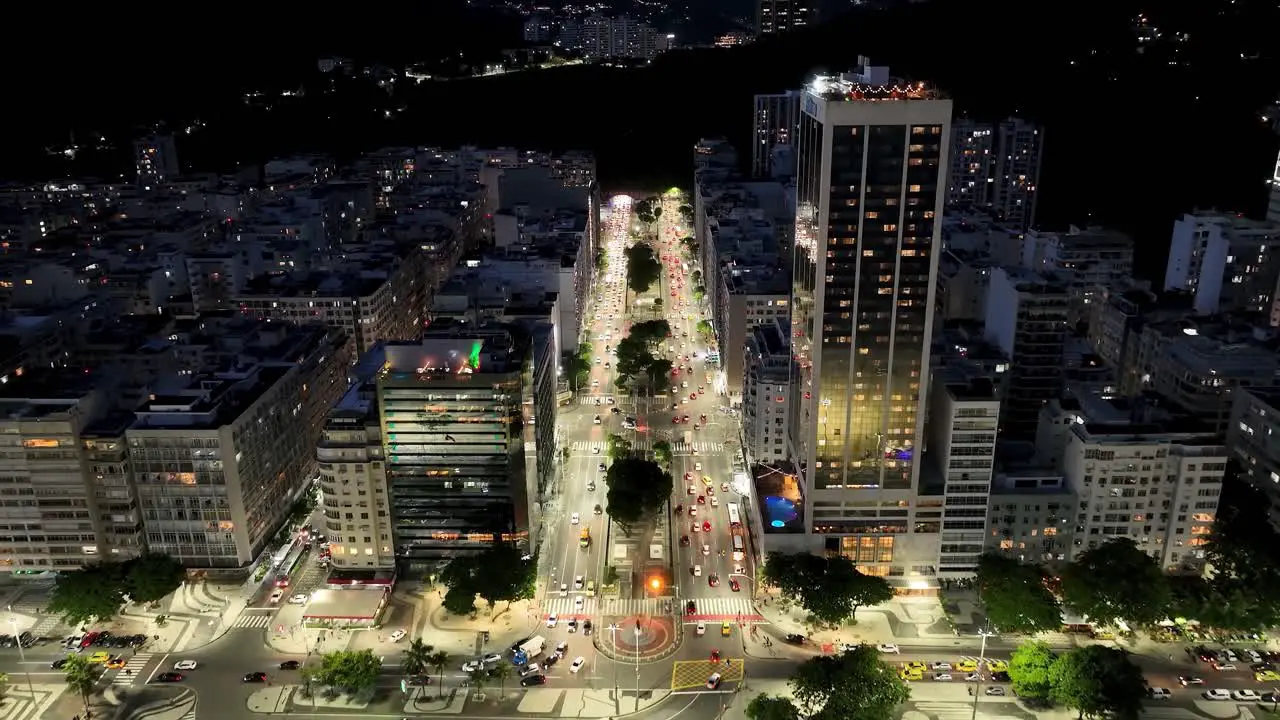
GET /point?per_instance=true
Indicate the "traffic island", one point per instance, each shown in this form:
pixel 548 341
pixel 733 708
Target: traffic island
pixel 638 638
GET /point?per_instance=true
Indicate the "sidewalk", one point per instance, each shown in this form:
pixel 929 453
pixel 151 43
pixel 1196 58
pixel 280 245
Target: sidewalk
pixel 461 634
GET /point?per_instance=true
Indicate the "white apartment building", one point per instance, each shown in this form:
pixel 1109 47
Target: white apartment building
pixel 963 421
pixel 353 480
pixel 1253 438
pixel 767 400
pixel 1227 262
pixel 603 37
pixel 996 167
pixel 1032 516
pixel 748 297
pixel 1200 374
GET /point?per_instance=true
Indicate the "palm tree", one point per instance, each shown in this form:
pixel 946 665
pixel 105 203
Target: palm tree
pixel 501 671
pixel 417 657
pixel 82 677
pixel 479 677
pixel 438 660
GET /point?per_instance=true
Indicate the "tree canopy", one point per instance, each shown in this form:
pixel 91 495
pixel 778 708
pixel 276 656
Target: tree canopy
pixel 499 574
pixel 643 267
pixel 830 588
pixel 650 332
pixel 1015 596
pixel 854 684
pixel 1030 670
pixel 151 577
pixel 771 707
pixel 1099 681
pixel 662 452
pixel 94 591
pixel 637 489
pixel 649 210
pixel 1116 581
pixel 617 446
pixel 352 671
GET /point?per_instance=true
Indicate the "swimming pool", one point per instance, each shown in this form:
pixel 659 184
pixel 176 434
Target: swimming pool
pixel 780 511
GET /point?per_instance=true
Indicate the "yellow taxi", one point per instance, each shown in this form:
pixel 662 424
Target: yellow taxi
pixel 1267 676
pixel 99 657
pixel 116 663
pixel 725 628
pixel 967 666
pixel 997 666
pixel 913 670
pixel 706 480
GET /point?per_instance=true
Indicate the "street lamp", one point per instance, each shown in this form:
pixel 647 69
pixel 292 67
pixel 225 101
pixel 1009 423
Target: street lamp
pixel 22 656
pixel 613 638
pixel 637 664
pixel 982 659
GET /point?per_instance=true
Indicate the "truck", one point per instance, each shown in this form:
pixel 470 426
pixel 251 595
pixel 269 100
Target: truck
pixel 688 437
pixel 533 647
pixel 584 540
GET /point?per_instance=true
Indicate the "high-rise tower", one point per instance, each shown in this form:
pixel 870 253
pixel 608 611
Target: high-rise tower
pixel 870 186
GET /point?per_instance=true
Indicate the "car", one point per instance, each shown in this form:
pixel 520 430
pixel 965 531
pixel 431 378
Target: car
pixel 299 599
pixel 691 490
pixel 491 659
pixel 562 648
pixel 1266 676
pixel 734 585
pixel 994 691
pixel 254 677
pixel 601 467
pixel 290 665
pixel 702 500
pixel 591 588
pixel 696 570
pixel 693 512
pixel 973 677
pixel 578 603
pixel 967 666
pixel 577 664
pixel 1216 694
pixel 59 663
pixel 715 502
pixel 168 677
pixel 116 663
pixel 599 510
pixel 1224 667
pixel 706 549
pixel 591 486
pixel 697 466
pixel 726 629
pixel 577 583
pixel 552 620
pixel 573 624
pixel 276 595
pixel 706 526
pixel 715 657
pixel 997 666
pixel 1158 693
pixel 795 638
pixel 700 629
pixel 573 519
pixel 398 635
pixel 942 676
pixel 564 589
pixel 1245 695
pixel 940 666
pixel 713 682
pixel 530 669
pixel 684 541
pixel 1000 677
pixel 713 580
pixel 586 627
pixel 185 665
pixel 471 666
pixel 532 680
pixel 99 657
pixel 695 527
pixel 596 421
pixel 691 608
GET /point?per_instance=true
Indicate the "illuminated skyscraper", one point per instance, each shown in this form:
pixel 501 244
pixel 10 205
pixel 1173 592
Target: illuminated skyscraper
pixel 871 183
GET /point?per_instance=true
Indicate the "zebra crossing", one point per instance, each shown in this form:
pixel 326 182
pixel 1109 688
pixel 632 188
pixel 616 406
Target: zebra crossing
pixel 600 447
pixel 727 606
pixel 252 621
pixel 133 670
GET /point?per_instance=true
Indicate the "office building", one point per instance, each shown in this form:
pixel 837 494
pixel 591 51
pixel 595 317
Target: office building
pixel 995 167
pixel 779 16
pixel 870 188
pixel 468 425
pixel 774 130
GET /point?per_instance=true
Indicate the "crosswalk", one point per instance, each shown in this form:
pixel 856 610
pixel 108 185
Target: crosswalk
pixel 600 447
pixel 252 621
pixel 609 606
pixel 132 671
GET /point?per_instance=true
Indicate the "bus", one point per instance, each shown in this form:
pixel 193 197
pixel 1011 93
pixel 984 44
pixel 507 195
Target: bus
pixel 739 551
pixel 288 565
pixel 735 520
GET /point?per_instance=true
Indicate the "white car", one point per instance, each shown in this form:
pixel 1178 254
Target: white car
pixel 578 602
pixel 529 670
pixel 299 599
pixel 398 635
pixel 471 666
pixel 185 665
pixel 1245 695
pixel 1216 694
pixel 697 571
pixel 573 519
pixel 715 501
pixel 697 466
pixel 491 659
pixel 564 590
pixel 1221 667
pixel 706 549
pixel 889 648
pixel 940 666
pixel 702 628
pixel 275 596
pixel 942 676
pixel 1161 694
pixel 577 583
pixel 578 662
pixel 995 690
pixel 552 620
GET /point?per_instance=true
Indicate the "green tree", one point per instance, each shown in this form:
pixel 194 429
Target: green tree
pixel 479 678
pixel 705 330
pixel 1015 596
pixel 151 577
pixel 637 489
pixel 1099 681
pixel 830 588
pixel 577 366
pixel 771 707
pixel 82 677
pixel 617 447
pixel 502 673
pixel 696 277
pixel 855 684
pixel 503 575
pixel 643 267
pixel 699 292
pixel 438 661
pixel 634 357
pixel 662 452
pixel 1116 581
pixel 460 599
pixel 416 658
pixel 94 591
pixel 610 575
pixel 686 214
pixel 353 671
pixel 1242 590
pixel 688 247
pixel 1030 670
pixel 658 371
pixel 651 332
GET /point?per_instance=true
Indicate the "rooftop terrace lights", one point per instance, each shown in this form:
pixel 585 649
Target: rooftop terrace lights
pixel 835 88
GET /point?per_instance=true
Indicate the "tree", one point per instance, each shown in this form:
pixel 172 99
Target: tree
pixel 705 330
pixel 94 591
pixel 577 366
pixel 643 267
pixel 1015 596
pixel 771 707
pixel 696 277
pixel 501 672
pixel 82 677
pixel 438 661
pixel 651 332
pixel 1098 681
pixel 1030 670
pixel 479 678
pixel 658 370
pixel 617 447
pixel 1242 590
pixel 416 658
pixel 151 577
pixel 662 452
pixel 4 684
pixel 460 599
pixel 699 292
pixel 634 357
pixel 686 214
pixel 830 588
pixel 352 671
pixel 501 574
pixel 854 684
pixel 1116 581
pixel 637 489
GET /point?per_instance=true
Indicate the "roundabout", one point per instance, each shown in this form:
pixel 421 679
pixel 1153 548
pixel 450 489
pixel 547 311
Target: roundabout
pixel 638 638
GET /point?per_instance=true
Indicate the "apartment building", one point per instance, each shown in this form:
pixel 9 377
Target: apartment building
pixel 1228 263
pixel 748 297
pixel 780 16
pixel 1027 319
pixel 777 115
pixel 1253 438
pixel 768 403
pixel 1032 516
pixel 995 167
pixel 1090 260
pixel 353 483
